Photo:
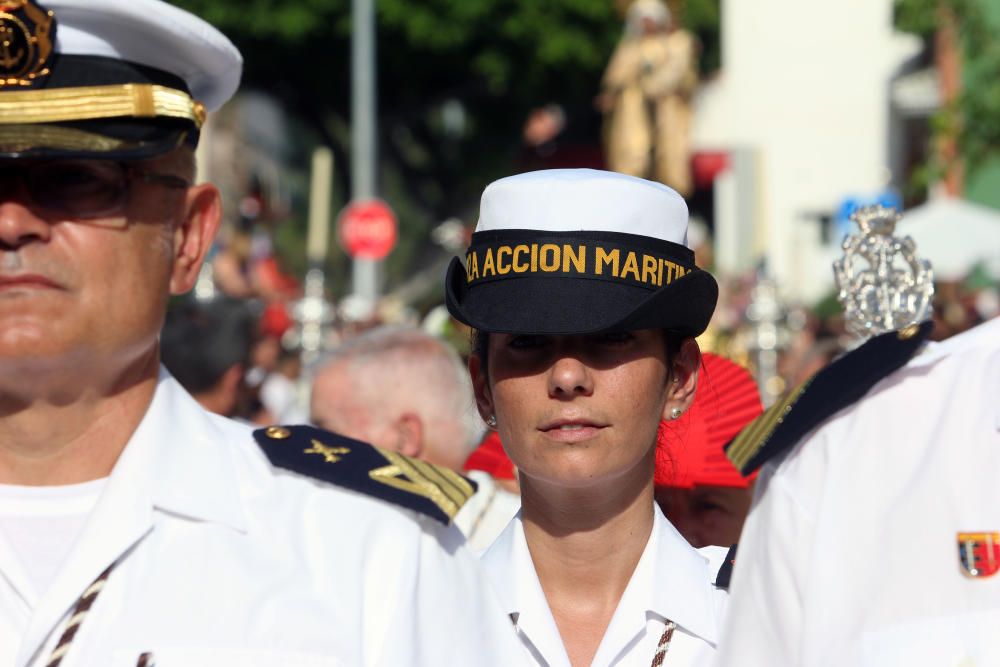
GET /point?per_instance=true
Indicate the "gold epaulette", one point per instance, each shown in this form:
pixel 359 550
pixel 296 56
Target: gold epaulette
pixel 417 485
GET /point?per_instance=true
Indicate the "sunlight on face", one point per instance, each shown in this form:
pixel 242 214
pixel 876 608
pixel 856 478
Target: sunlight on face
pixel 85 292
pixel 578 410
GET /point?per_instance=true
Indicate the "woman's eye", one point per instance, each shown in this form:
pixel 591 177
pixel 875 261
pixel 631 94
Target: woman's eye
pixel 619 338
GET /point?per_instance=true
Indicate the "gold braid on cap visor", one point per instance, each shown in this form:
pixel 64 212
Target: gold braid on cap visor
pixel 129 100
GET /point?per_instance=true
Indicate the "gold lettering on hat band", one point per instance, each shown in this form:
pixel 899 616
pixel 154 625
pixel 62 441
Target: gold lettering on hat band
pixel 606 258
pixel 130 100
pixel 591 260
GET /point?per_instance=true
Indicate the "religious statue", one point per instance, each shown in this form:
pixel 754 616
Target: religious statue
pixel 646 96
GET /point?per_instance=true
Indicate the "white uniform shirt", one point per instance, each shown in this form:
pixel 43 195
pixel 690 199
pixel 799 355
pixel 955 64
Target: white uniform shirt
pixel 484 516
pixel 42 523
pixel 672 580
pixel 225 560
pixel 850 555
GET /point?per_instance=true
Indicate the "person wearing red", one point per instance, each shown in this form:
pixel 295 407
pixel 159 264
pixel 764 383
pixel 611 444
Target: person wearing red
pixel 698 489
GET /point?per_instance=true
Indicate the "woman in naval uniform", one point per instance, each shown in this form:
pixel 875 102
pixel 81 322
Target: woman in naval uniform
pixel 585 301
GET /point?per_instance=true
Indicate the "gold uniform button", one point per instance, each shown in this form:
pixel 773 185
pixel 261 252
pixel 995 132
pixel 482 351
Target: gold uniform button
pixel 908 332
pixel 277 432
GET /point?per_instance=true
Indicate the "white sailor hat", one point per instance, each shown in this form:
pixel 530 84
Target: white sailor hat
pixel 576 251
pixel 117 79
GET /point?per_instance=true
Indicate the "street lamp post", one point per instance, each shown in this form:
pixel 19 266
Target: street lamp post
pixel 365 272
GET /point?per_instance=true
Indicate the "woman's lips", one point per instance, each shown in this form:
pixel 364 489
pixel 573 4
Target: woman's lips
pixel 571 430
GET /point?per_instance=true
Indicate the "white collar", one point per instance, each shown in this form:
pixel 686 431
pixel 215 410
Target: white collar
pixel 508 565
pixel 671 581
pixel 683 587
pixel 177 461
pixel 180 453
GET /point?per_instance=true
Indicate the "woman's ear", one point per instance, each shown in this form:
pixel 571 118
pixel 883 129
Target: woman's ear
pixel 684 379
pixel 481 386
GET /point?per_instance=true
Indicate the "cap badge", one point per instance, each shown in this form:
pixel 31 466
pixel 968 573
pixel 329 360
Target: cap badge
pixel 979 554
pixel 27 32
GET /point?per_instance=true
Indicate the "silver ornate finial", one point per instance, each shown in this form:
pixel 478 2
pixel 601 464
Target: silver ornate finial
pixel 769 336
pixel 894 289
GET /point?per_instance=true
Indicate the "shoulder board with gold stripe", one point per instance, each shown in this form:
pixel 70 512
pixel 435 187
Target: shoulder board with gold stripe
pixel 840 384
pixel 432 490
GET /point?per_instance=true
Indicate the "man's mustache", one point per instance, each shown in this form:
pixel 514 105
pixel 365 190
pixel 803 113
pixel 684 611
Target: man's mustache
pixel 15 262
pixel 10 261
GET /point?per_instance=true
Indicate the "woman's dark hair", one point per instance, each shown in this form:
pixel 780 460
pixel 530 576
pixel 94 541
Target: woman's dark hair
pixel 480 345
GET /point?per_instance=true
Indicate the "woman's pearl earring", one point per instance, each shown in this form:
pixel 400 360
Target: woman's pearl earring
pixel 491 421
pixel 675 413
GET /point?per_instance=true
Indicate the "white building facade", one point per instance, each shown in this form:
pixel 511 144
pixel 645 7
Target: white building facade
pixel 803 107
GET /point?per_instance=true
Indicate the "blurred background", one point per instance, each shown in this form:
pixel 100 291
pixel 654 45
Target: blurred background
pixel 775 118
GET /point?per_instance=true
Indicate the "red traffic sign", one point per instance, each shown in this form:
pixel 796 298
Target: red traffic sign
pixel 367 229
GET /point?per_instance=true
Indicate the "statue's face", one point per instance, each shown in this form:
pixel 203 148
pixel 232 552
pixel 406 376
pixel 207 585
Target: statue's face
pixel 650 26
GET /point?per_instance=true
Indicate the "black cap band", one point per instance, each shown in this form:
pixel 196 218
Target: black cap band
pixel 609 256
pixel 70 70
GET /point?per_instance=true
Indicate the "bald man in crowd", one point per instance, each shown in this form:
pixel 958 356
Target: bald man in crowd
pixel 406 391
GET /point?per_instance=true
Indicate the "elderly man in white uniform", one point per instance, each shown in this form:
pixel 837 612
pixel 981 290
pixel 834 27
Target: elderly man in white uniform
pixel 586 301
pixel 135 527
pixel 876 540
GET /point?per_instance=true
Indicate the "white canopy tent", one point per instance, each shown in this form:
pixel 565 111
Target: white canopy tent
pixel 955 235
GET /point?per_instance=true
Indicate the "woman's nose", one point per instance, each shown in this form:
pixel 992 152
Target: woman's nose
pixel 569 377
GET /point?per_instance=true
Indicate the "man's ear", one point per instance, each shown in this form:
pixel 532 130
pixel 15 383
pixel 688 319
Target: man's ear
pixel 193 235
pixel 230 386
pixel 481 387
pixel 410 435
pixel 684 378
pixel 232 378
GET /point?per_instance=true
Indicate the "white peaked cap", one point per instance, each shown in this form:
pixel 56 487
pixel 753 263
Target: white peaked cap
pixel 571 200
pixel 154 34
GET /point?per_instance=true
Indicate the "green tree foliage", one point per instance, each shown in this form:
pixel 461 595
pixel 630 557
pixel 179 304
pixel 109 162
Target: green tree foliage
pixel 456 81
pixel 975 117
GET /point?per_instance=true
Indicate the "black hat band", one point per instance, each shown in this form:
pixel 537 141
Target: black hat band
pixel 609 256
